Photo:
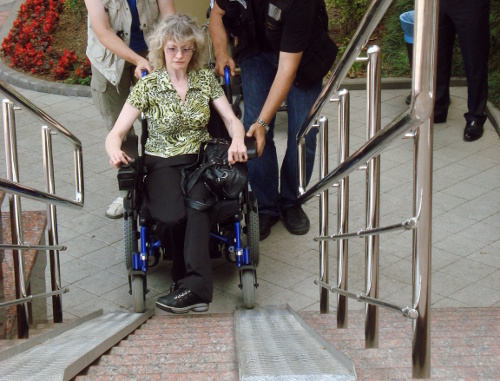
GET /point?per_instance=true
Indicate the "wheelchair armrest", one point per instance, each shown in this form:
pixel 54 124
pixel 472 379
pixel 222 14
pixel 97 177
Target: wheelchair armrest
pixel 251 147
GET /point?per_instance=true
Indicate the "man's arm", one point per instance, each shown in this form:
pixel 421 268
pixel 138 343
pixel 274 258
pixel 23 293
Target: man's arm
pixel 220 41
pixel 106 35
pixel 166 7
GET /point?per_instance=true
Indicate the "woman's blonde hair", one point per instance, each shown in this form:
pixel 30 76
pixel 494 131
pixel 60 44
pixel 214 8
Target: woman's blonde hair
pixel 178 28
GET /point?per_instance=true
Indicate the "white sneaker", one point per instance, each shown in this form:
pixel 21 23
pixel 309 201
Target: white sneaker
pixel 115 209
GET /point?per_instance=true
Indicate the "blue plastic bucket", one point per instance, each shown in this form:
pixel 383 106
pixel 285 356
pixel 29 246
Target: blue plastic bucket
pixel 407 20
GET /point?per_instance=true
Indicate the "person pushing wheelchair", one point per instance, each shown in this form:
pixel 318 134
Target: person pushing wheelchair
pixel 175 100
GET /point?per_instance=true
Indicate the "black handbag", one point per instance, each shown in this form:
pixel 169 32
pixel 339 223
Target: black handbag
pixel 224 181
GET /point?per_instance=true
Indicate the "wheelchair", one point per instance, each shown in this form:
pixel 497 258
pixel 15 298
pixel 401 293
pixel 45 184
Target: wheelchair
pixel 235 235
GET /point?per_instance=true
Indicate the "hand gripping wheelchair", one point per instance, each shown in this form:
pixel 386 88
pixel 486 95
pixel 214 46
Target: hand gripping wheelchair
pixel 235 235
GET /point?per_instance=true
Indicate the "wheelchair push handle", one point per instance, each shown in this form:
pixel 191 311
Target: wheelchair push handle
pixel 251 145
pixel 227 85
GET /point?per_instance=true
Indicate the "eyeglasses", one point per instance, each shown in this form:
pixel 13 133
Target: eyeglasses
pixel 184 51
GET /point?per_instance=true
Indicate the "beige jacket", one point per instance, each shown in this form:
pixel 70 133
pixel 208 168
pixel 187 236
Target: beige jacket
pixel 120 19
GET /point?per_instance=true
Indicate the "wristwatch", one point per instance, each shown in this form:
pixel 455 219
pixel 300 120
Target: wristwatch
pixel 264 124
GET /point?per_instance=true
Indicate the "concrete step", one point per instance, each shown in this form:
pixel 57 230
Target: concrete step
pixel 172 347
pixel 465 345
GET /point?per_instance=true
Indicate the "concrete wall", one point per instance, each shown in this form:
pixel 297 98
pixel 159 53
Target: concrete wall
pixel 197 8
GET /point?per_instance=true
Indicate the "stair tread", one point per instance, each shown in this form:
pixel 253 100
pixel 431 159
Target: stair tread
pixel 465 345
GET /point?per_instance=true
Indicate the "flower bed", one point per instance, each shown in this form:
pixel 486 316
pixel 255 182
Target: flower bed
pixel 28 45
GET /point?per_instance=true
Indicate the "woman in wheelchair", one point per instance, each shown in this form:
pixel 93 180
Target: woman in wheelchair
pixel 175 100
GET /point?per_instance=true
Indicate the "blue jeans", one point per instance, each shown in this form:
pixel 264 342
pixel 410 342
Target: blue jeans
pixel 257 74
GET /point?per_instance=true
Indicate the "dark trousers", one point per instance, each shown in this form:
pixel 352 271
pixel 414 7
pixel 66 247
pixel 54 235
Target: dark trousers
pixel 469 20
pixel 184 232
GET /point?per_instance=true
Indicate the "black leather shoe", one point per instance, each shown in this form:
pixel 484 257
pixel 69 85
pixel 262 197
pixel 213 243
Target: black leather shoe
pixel 295 220
pixel 181 301
pixel 439 119
pixel 408 99
pixel 473 131
pixel 266 221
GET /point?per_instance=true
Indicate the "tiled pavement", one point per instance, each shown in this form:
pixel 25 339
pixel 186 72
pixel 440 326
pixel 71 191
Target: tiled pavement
pixel 466 218
pixel 466 215
pixel 465 231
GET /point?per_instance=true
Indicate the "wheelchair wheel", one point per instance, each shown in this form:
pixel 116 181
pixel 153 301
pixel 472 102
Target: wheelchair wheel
pixel 248 286
pixel 253 239
pixel 130 240
pixel 138 293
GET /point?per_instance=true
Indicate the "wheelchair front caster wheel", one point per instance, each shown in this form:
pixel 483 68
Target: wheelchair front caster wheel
pixel 138 293
pixel 248 287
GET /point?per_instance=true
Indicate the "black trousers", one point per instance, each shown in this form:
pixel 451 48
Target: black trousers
pixel 184 232
pixel 469 20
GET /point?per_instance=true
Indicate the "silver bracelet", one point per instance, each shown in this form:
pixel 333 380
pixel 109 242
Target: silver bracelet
pixel 264 124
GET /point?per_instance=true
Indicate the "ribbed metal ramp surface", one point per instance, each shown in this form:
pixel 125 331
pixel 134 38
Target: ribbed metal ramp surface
pixel 63 357
pixel 274 343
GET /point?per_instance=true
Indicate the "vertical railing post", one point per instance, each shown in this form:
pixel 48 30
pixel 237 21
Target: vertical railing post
pixel 424 84
pixel 15 217
pixel 324 296
pixel 55 271
pixel 343 208
pixel 373 83
pixel 422 243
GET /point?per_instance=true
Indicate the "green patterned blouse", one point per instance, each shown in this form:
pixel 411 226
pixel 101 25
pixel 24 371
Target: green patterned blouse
pixel 175 128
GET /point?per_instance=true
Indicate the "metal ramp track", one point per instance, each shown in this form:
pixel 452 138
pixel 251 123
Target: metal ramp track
pixel 64 356
pixel 276 344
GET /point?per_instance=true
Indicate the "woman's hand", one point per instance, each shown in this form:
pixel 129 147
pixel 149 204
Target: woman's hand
pixel 237 151
pixel 117 158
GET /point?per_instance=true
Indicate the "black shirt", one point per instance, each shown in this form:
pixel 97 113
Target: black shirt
pixel 296 24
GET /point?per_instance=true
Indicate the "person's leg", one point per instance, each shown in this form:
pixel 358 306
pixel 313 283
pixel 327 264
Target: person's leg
pixel 299 103
pixel 109 102
pixel 198 277
pixel 446 40
pixel 195 291
pixel 257 75
pixel 107 98
pixel 167 210
pixel 472 24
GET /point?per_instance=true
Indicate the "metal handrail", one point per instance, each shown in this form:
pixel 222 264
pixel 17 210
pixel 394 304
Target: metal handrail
pixel 33 297
pixel 31 247
pixel 11 185
pixel 20 100
pixel 37 195
pixel 418 119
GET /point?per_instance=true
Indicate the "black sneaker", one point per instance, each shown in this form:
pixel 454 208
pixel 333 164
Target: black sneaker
pixel 295 220
pixel 181 301
pixel 266 221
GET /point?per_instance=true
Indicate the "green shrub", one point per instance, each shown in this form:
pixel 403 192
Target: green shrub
pixel 351 12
